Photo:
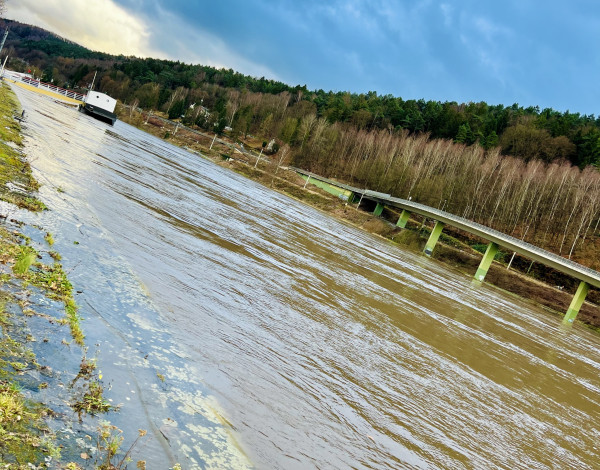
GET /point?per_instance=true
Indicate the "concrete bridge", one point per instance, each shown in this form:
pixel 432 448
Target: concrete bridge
pixel 588 277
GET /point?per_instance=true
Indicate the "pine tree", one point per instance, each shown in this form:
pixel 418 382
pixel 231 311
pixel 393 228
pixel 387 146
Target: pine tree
pixel 464 134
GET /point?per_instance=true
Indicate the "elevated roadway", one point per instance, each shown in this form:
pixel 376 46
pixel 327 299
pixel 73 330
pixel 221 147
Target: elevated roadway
pixel 588 277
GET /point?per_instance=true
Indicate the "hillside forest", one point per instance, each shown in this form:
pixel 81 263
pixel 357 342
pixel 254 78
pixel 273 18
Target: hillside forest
pixel 529 172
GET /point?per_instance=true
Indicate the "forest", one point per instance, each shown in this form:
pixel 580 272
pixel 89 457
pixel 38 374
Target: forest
pixel 528 172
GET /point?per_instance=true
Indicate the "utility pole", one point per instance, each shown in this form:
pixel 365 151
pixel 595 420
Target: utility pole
pixel 260 155
pixel 4 39
pixel 93 80
pixel 2 71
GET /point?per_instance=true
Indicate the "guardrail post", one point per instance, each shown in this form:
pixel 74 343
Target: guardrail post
pixel 576 303
pixel 402 221
pixel 378 209
pixel 433 238
pixel 486 261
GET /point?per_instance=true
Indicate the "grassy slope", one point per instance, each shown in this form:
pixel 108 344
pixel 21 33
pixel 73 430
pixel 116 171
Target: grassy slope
pixel 24 436
pixel 23 433
pixel 17 185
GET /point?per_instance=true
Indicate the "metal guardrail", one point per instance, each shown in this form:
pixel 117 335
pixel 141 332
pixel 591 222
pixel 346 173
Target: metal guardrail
pixel 539 254
pixel 53 88
pixel 509 239
pixel 364 192
pixel 44 86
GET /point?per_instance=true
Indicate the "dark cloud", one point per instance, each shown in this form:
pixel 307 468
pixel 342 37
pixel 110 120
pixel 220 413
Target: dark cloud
pixel 532 53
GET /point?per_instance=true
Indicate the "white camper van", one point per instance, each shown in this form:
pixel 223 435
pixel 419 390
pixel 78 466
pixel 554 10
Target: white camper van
pixel 100 106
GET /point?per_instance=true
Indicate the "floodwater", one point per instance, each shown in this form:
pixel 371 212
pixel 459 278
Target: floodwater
pixel 289 340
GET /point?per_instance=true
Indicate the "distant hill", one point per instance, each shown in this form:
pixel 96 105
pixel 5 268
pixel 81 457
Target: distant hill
pixel 173 86
pixel 26 38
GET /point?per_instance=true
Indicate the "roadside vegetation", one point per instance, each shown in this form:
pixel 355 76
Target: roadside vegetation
pixel 24 435
pixel 49 277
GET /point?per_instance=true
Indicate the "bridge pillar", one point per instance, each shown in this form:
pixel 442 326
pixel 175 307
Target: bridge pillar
pixel 577 302
pixel 486 261
pixel 378 209
pixel 403 219
pixel 353 197
pixel 433 238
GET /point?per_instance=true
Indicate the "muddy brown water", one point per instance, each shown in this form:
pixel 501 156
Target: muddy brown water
pixel 289 340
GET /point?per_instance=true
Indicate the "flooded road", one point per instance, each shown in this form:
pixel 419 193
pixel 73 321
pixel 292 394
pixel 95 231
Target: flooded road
pixel 289 340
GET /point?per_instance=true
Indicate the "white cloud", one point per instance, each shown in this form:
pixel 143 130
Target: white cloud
pixel 448 12
pixel 486 41
pixel 491 31
pixel 101 25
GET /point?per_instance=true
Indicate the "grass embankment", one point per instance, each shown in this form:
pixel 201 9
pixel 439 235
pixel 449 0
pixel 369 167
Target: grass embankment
pixel 458 249
pixel 17 252
pixel 17 185
pixel 24 436
pixel 25 439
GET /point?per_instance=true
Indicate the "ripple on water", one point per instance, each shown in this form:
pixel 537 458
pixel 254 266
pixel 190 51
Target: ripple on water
pixel 299 339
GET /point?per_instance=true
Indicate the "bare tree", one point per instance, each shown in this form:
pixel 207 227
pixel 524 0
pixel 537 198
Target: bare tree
pixel 179 94
pixel 306 126
pixel 233 104
pixel 133 107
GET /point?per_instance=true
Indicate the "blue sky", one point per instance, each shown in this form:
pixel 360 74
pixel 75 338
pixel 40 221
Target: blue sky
pixel 513 51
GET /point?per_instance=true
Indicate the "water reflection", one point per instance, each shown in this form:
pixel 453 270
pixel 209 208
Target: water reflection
pixel 312 344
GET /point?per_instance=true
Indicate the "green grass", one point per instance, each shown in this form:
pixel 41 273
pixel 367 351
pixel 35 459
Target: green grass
pixel 25 258
pixel 10 130
pixel 23 434
pixel 52 279
pixel 92 402
pixel 49 238
pixel 13 167
pixel 74 321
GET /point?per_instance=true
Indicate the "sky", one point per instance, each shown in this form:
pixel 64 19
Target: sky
pixel 531 52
